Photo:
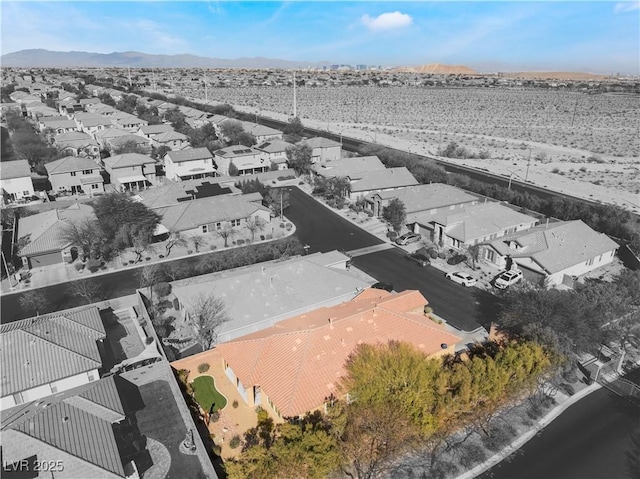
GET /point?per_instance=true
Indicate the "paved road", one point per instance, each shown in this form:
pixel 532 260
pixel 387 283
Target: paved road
pixel 590 440
pixel 460 306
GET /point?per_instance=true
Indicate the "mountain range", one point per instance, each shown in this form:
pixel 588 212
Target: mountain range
pixel 40 58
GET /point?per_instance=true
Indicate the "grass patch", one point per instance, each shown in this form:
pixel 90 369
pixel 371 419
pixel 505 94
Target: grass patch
pixel 207 395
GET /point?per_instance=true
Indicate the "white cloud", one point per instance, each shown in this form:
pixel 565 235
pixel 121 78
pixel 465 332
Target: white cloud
pixel 386 21
pixel 623 7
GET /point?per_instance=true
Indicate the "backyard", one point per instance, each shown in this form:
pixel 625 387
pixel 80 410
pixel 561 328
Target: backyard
pixel 206 394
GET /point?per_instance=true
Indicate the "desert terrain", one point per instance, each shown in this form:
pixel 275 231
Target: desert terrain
pixel 580 143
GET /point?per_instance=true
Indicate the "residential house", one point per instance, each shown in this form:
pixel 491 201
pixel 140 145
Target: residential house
pixel 103 137
pixel 258 296
pixel 246 160
pixel 276 152
pixel 93 123
pixel 75 174
pixel 125 121
pixel 432 198
pixel 37 110
pixel 101 109
pixel 152 131
pixel 171 139
pixel 472 225
pixel 554 252
pixel 380 180
pixel 323 149
pixel 69 106
pixel 212 214
pixel 77 143
pixel 353 168
pixel 15 180
pixel 130 171
pixel 115 143
pixel 171 193
pixel 50 354
pixel 316 345
pixel 57 124
pixel 189 164
pixel 262 133
pixel 217 121
pixel 43 235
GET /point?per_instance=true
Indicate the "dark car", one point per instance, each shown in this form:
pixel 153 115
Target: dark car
pixel 418 258
pixel 385 286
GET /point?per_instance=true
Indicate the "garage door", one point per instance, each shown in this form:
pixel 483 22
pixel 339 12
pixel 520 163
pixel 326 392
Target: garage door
pixel 45 259
pixel 532 276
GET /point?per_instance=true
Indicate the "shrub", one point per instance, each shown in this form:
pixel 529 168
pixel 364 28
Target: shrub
pixel 214 416
pixel 79 266
pixel 457 259
pixel 163 289
pixel 234 442
pixel 93 265
pixel 472 454
pixel 148 258
pixel 163 306
pixel 441 255
pixel 160 256
pixel 189 251
pixel 212 247
pixel 149 340
pixel 235 404
pixel 203 367
pixel 217 450
pixel 498 437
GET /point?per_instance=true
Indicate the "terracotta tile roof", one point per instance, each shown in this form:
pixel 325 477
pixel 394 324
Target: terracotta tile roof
pixel 15 169
pixel 189 154
pixel 426 197
pixel 127 160
pixel 383 179
pixel 71 163
pixel 299 361
pixel 353 168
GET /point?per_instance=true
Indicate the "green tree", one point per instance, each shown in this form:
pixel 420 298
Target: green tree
pixel 225 233
pixel 130 146
pixel 300 158
pixel 233 169
pixel 294 130
pixel 395 213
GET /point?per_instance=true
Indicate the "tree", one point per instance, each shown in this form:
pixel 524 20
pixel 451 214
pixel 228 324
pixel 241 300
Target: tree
pixel 130 146
pixel 87 289
pixel 197 241
pixel 140 241
pixel 174 239
pixel 233 169
pixel 300 158
pixel 254 224
pixel 86 235
pixel 474 253
pixel 160 151
pixel 225 233
pixel 176 270
pixel 149 276
pixel 395 214
pixel 294 130
pixel 277 200
pixel 232 131
pixel 178 120
pixel 206 315
pixel 34 301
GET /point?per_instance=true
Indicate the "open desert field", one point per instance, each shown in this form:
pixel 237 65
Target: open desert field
pixel 575 141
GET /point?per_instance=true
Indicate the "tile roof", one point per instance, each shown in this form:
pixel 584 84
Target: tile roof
pixel 170 136
pixel 300 361
pixel 14 169
pixel 189 154
pixel 274 146
pixel 72 136
pixel 478 221
pixel 383 179
pixel 192 214
pixel 257 295
pixel 63 122
pixel 155 129
pixel 235 151
pixel 111 133
pixel 353 168
pixel 259 130
pixel 44 349
pixel 172 193
pixel 69 164
pixel 426 197
pixel 126 160
pixel 321 142
pixel 556 246
pixel 120 140
pixel 45 230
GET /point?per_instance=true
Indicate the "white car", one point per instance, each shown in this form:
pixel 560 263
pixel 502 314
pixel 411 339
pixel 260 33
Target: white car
pixel 508 278
pixel 408 238
pixel 462 278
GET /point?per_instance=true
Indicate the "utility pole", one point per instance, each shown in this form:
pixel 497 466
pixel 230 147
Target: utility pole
pixel 206 93
pixel 295 105
pixel 129 70
pixel 153 75
pixel 280 205
pixel 528 164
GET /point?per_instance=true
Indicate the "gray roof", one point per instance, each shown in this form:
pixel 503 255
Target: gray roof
pixel 556 246
pixel 170 136
pixel 353 168
pixel 259 130
pixel 426 197
pixel 45 230
pixel 45 349
pixel 235 151
pixel 384 179
pixel 72 136
pixel 14 169
pixel 189 154
pixel 69 164
pixel 127 160
pixel 192 214
pixel 155 129
pixel 273 146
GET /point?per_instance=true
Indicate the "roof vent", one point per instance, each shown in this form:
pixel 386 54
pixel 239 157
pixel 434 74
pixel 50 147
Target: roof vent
pixel 444 345
pixel 65 419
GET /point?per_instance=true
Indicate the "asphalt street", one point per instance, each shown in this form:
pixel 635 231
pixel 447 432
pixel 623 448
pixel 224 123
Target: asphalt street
pixel 590 440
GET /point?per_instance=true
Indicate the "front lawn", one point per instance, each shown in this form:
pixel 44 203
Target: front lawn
pixel 207 395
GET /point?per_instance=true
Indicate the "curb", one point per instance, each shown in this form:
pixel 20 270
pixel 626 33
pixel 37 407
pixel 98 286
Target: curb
pixel 527 436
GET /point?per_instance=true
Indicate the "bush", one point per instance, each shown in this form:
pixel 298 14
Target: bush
pixel 163 289
pixel 217 450
pixel 214 416
pixel 93 265
pixel 457 259
pixel 164 305
pixel 189 251
pixel 441 255
pixel 234 442
pixel 203 367
pixel 472 454
pixel 235 404
pixel 499 436
pixel 79 266
pixel 148 341
pixel 160 256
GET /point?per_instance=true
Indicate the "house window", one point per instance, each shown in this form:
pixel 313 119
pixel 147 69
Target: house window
pixel 590 262
pixel 25 193
pixel 235 223
pixel 87 172
pixel 205 229
pixel 91 376
pixel 73 173
pixel 491 255
pixel 17 398
pixel 94 186
pixel 54 388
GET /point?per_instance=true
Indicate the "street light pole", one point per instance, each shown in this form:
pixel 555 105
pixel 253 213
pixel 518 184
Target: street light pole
pixel 526 176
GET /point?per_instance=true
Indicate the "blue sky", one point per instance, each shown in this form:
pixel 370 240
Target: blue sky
pixel 599 37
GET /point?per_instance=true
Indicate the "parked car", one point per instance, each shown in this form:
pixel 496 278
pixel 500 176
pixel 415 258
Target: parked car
pixel 408 238
pixel 462 278
pixel 381 285
pixel 508 278
pixel 418 258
